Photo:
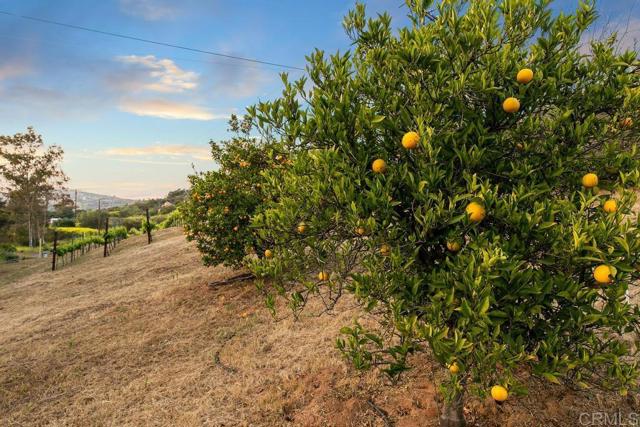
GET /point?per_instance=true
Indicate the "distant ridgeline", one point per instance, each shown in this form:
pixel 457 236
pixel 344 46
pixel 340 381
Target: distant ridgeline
pixel 89 201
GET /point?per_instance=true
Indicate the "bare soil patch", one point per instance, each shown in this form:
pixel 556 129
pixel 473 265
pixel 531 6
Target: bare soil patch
pixel 140 339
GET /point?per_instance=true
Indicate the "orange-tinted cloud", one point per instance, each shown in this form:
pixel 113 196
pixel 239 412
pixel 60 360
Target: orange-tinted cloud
pixel 168 110
pixel 201 152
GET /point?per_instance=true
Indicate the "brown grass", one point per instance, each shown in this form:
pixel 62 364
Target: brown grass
pixel 139 339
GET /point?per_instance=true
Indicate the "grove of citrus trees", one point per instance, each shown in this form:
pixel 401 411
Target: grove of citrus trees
pixel 469 179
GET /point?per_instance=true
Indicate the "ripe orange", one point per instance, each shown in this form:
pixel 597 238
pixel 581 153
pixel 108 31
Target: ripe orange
pixel 476 212
pixel 524 76
pixel 379 166
pixel 226 210
pixel 385 250
pixel 454 368
pixel 410 140
pixel 610 206
pixel 511 105
pixel 602 274
pixel 361 231
pixel 302 227
pixel 454 246
pixel 627 122
pixel 590 180
pixel 268 253
pixel 323 276
pixel 499 393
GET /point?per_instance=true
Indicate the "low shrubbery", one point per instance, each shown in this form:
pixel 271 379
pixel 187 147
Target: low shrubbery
pixel 8 252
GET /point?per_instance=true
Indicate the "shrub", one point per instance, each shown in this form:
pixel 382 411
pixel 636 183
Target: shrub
pixel 459 219
pixel 220 205
pixel 66 222
pixel 174 219
pixel 8 252
pixel 133 221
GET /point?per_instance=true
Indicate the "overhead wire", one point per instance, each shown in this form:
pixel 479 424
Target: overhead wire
pixel 149 41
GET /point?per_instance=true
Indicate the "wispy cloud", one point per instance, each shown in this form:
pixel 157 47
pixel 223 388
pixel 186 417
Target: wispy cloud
pixel 149 10
pixel 239 81
pixel 154 74
pixel 168 110
pixel 13 69
pixel 172 150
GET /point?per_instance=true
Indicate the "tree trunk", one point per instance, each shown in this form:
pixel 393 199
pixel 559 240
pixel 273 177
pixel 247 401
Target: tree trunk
pixel 30 231
pixel 452 415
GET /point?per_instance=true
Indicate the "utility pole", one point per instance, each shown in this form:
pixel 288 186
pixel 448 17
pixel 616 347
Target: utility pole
pixel 75 207
pixel 99 214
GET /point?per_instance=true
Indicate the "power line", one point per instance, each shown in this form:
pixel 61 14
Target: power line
pixel 139 39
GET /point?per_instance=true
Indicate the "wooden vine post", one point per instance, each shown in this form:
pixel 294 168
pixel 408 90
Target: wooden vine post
pixel 106 237
pixel 55 250
pixel 148 227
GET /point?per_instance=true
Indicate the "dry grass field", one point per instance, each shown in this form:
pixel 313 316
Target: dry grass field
pixel 139 339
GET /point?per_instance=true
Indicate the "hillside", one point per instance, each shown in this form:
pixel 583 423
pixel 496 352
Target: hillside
pixel 89 201
pixel 140 339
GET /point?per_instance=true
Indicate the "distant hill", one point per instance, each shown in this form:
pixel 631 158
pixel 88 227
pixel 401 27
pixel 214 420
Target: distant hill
pixel 88 201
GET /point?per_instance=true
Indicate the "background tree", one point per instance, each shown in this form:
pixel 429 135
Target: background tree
pixel 221 202
pixel 5 223
pixel 469 179
pixel 31 178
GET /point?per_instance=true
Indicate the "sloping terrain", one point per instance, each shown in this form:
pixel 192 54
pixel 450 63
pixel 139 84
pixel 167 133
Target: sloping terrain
pixel 138 338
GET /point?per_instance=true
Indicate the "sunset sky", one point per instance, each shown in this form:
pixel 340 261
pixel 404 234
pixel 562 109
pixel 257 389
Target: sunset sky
pixel 133 117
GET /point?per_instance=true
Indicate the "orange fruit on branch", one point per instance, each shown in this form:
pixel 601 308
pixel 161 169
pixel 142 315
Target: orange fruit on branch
pixel 610 206
pixel 626 122
pixel 379 166
pixel 590 180
pixel 524 76
pixel 410 140
pixel 475 212
pixel 511 105
pixel 499 393
pixel 602 274
pixel 385 250
pixel 454 246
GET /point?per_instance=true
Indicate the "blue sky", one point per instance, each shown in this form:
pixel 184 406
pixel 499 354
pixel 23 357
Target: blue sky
pixel 133 117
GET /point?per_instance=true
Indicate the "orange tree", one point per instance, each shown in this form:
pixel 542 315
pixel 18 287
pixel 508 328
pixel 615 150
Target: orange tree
pixel 221 202
pixel 469 179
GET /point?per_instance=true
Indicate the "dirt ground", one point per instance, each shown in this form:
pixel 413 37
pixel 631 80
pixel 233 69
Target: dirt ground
pixel 139 339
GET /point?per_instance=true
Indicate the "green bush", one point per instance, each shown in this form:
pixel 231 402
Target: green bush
pixel 66 222
pixel 479 245
pixel 8 252
pixel 174 219
pixel 133 221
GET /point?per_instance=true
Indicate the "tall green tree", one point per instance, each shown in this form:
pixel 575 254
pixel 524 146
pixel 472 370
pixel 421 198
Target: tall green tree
pixel 470 180
pixel 30 179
